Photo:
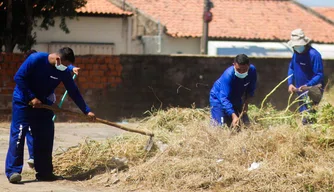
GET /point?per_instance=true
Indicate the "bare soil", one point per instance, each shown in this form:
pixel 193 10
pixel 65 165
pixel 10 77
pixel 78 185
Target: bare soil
pixel 66 135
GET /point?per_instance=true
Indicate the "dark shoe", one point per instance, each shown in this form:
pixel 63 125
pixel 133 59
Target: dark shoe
pixel 51 177
pixel 15 178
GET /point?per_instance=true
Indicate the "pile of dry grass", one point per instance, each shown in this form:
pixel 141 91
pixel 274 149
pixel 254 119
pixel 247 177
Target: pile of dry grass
pixel 92 155
pixel 190 155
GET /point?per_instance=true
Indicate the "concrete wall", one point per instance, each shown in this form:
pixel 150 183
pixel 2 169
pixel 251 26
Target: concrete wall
pixel 85 29
pixel 103 30
pixel 171 45
pixel 128 85
pixel 98 33
pixel 166 45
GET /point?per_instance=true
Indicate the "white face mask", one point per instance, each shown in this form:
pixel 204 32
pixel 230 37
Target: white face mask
pixel 299 49
pixel 240 75
pixel 60 66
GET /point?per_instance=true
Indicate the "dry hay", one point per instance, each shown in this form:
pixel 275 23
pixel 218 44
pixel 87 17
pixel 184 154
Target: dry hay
pixel 191 155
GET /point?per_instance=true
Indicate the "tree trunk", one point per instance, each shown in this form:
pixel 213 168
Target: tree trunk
pixel 8 41
pixel 29 17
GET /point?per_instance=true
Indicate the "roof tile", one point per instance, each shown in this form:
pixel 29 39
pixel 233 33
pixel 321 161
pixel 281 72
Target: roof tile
pixel 102 7
pixel 326 11
pixel 237 19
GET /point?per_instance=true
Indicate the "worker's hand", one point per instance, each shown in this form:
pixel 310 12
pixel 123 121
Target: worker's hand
pixel 91 115
pixel 35 103
pixel 302 88
pixel 235 120
pixel 76 70
pixel 292 89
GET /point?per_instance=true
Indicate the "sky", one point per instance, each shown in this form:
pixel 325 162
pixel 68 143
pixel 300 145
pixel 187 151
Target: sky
pixel 317 3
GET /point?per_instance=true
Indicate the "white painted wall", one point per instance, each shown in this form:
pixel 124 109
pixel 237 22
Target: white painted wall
pixel 107 30
pixel 255 49
pixel 86 30
pixel 326 50
pixel 262 49
pixel 171 45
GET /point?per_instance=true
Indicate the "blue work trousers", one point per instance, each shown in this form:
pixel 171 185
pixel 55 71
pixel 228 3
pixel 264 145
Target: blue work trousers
pixel 41 126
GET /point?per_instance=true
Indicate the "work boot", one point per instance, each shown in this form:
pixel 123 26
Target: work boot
pixel 50 177
pixel 31 163
pixel 15 178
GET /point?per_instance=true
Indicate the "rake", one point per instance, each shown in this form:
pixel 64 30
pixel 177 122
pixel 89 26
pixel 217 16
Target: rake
pixel 148 145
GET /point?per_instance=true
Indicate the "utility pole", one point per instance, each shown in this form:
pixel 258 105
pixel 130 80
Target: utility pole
pixel 207 17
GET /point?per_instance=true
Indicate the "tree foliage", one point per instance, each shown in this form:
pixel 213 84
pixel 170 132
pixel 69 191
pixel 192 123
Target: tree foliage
pixel 19 17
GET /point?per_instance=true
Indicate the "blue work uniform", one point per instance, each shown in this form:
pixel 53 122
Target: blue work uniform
pixel 29 137
pixel 307 69
pixel 36 78
pixel 226 94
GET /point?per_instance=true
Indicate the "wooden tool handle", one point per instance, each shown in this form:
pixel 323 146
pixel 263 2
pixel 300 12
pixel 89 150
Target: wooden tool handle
pixel 56 109
pixel 122 127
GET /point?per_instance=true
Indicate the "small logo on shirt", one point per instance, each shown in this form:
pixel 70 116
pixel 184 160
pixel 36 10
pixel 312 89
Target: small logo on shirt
pixel 246 84
pixel 52 77
pixel 303 63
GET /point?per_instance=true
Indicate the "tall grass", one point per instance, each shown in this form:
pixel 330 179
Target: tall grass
pixel 191 155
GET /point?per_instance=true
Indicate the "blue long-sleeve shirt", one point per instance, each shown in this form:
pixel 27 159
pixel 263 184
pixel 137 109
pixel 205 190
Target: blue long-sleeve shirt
pixel 70 67
pixel 228 90
pixel 307 69
pixel 37 78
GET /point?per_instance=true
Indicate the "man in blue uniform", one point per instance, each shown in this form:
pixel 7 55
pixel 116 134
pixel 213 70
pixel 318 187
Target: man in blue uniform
pixel 305 67
pixel 36 79
pixel 51 98
pixel 226 94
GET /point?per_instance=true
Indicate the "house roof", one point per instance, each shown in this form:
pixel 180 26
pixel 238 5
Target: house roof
pixel 326 11
pixel 268 20
pixel 102 7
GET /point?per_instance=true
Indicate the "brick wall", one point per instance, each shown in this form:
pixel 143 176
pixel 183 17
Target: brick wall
pixel 128 85
pixel 98 73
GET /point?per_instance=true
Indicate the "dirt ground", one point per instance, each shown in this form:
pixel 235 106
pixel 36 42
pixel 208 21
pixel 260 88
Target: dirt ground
pixel 66 135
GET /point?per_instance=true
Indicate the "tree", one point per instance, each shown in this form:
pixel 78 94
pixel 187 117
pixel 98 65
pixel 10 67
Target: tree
pixel 18 17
